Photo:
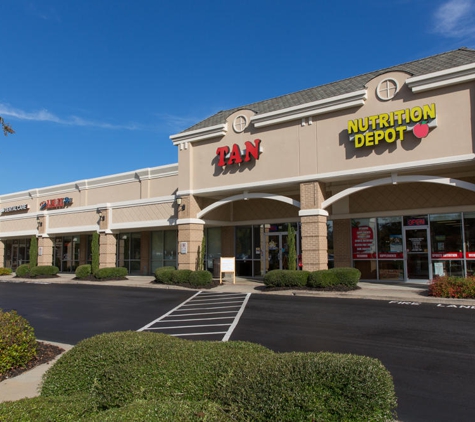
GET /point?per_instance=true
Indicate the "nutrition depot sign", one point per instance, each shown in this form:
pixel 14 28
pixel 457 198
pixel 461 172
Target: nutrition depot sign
pixel 389 127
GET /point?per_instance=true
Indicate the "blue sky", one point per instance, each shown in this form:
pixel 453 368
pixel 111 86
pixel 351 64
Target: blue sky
pixel 96 87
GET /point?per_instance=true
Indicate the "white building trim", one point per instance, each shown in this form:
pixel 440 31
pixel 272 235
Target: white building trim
pixel 200 134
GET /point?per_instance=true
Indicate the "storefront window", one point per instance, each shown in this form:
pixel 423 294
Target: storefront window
pixel 363 234
pixel 128 252
pixel 469 226
pixel 446 236
pixel 213 248
pixel 164 249
pixel 17 252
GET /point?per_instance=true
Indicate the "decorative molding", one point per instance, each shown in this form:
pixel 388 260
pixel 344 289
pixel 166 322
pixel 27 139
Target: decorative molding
pixel 452 76
pixel 143 224
pixel 75 229
pixel 200 134
pixel 328 105
pixel 189 221
pixel 313 212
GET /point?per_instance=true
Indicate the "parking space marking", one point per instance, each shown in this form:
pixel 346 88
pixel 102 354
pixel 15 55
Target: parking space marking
pixel 210 310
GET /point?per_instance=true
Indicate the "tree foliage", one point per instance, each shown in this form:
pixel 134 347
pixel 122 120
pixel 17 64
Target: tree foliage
pixel 7 129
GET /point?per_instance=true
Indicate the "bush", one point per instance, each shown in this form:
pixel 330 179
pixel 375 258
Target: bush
pixel 246 381
pixel 5 271
pixel 83 271
pixel 164 275
pixel 181 276
pixel 42 270
pixel 347 276
pixel 309 386
pixel 286 278
pixel 48 409
pixel 17 341
pixel 322 279
pixel 111 272
pixel 201 278
pixel 456 287
pixel 23 270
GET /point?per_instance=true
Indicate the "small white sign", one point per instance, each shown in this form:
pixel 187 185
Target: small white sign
pixel 227 265
pixel 184 247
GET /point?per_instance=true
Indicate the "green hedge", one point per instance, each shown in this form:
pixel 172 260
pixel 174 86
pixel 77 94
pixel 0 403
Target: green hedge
pixel 83 271
pixel 322 279
pixel 456 287
pixel 181 276
pixel 111 272
pixel 286 278
pixel 17 341
pixel 164 275
pixel 43 270
pixel 5 271
pixel 201 278
pixel 347 276
pixel 23 270
pixel 130 371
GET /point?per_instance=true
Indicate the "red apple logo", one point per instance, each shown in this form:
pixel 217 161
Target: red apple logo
pixel 421 130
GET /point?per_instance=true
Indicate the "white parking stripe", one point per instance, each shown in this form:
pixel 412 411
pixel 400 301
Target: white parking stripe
pixel 205 305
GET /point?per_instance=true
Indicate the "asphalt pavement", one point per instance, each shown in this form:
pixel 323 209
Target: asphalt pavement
pixel 27 384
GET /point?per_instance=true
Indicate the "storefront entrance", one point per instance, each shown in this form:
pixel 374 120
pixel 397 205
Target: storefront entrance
pixel 417 254
pixel 277 251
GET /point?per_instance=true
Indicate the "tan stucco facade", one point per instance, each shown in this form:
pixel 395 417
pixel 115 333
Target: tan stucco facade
pixel 323 166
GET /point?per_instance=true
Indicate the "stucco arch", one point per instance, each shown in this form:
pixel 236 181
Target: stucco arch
pixel 244 196
pixel 393 180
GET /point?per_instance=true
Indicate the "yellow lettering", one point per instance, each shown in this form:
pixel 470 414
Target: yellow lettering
pixel 390 135
pixel 428 111
pixel 363 124
pixel 383 120
pixel 416 114
pixel 400 130
pixel 398 115
pixel 359 140
pixel 372 120
pixel 352 126
pixel 370 139
pixel 408 115
pixel 378 135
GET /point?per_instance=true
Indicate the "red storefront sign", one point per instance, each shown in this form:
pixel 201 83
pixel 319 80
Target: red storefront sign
pixel 470 255
pixel 363 243
pixel 234 155
pixel 391 255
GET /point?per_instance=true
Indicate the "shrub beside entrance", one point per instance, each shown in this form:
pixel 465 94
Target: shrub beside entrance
pixel 334 278
pixel 456 287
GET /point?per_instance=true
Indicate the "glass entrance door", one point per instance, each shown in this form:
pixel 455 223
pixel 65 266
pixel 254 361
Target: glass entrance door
pixel 417 254
pixel 277 251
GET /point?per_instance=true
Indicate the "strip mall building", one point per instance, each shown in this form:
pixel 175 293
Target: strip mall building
pixel 375 172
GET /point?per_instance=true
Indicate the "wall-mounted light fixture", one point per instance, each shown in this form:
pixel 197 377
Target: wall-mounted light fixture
pixel 38 222
pixel 181 206
pixel 101 216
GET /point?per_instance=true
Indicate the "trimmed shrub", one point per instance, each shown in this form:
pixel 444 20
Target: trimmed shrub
pixel 308 387
pixel 181 276
pixel 33 251
pixel 83 271
pixel 42 270
pixel 17 341
pixel 164 275
pixel 5 271
pixel 247 381
pixel 322 279
pixel 347 276
pixel 201 278
pixel 111 272
pixel 286 278
pixel 95 252
pixel 23 270
pixel 48 409
pixel 456 287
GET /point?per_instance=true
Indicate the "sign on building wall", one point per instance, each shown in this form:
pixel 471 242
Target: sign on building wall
pixel 389 127
pixel 14 208
pixel 52 204
pixel 234 155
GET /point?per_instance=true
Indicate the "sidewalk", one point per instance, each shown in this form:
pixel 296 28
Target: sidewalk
pixel 26 384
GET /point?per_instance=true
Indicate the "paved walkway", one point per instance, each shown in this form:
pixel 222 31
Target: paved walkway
pixel 26 384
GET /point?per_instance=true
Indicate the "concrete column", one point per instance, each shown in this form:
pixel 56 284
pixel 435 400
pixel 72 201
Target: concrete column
pixel 2 253
pixel 313 226
pixel 342 242
pixel 45 246
pixel 107 250
pixel 192 234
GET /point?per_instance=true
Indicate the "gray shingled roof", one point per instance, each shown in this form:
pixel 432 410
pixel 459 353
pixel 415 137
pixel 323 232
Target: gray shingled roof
pixel 435 63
